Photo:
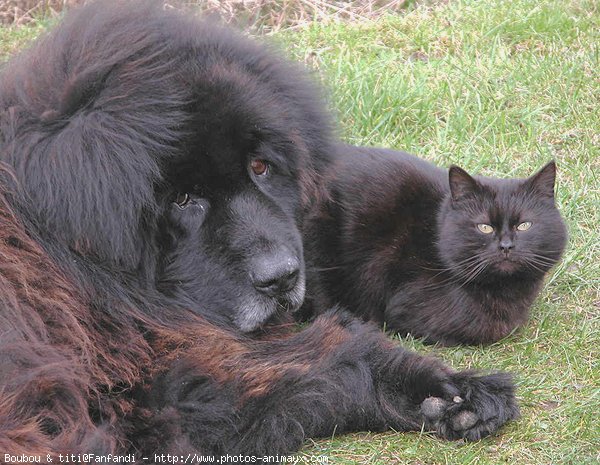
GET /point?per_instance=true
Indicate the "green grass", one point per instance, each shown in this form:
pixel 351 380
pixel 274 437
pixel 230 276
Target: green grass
pixel 498 87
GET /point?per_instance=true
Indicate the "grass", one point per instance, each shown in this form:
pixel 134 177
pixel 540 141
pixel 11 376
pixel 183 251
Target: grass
pixel 500 88
pixel 264 16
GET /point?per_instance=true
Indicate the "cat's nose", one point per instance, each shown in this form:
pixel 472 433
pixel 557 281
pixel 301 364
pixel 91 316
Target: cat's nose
pixel 506 245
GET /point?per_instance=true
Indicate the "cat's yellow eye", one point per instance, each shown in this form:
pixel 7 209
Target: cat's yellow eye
pixel 485 228
pixel 524 226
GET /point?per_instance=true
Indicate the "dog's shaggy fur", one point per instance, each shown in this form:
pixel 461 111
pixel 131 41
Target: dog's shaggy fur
pixel 134 321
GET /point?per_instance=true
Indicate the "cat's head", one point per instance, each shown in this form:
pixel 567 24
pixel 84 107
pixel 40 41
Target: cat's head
pixel 500 227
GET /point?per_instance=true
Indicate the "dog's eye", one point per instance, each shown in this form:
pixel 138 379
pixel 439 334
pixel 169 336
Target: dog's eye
pixel 259 167
pixel 182 199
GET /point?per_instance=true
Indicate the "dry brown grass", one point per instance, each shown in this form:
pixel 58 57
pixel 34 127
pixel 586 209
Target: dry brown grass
pixel 260 15
pixel 23 11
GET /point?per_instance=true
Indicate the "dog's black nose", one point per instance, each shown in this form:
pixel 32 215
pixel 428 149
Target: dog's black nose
pixel 275 273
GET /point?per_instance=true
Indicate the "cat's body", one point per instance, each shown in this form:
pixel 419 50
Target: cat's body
pixel 398 243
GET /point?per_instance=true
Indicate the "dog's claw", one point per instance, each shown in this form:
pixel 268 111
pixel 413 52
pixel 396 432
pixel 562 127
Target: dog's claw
pixel 485 403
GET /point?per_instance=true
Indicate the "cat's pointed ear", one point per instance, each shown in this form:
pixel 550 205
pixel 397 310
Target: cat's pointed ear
pixel 543 181
pixel 462 185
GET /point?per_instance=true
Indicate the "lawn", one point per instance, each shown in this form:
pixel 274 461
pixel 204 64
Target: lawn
pixel 500 88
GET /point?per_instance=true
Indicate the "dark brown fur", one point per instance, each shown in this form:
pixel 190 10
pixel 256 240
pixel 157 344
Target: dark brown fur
pixel 397 242
pixel 131 322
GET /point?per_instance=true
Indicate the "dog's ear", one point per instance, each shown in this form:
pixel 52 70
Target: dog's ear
pixel 88 184
pixel 90 128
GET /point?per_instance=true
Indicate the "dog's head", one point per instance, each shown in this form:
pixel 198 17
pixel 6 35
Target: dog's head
pixel 171 150
pixel 235 201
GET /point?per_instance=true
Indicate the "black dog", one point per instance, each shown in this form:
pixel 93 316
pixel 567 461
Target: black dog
pixel 154 175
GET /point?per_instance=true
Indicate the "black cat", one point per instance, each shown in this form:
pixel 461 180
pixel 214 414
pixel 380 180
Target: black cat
pixel 439 254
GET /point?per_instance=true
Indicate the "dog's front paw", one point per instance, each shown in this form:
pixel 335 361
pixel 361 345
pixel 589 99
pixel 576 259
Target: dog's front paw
pixel 473 406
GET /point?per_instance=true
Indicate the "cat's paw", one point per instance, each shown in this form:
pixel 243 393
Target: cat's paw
pixel 473 406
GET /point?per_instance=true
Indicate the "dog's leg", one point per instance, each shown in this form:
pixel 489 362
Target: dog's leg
pixel 336 376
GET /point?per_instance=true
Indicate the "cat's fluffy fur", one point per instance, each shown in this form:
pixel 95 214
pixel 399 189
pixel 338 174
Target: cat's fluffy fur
pixel 397 241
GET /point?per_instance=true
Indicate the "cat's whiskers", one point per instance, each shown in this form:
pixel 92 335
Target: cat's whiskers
pixel 439 284
pixel 441 271
pixel 455 265
pixel 539 263
pixel 461 273
pixel 536 267
pixel 544 257
pixel 319 269
pixel 472 272
pixel 476 273
pixel 540 257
